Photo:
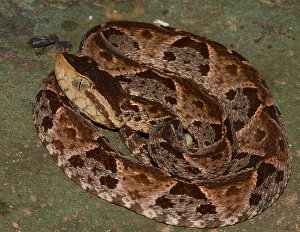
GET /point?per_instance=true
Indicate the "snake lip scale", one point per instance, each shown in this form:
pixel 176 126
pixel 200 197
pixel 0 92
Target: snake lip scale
pixel 207 144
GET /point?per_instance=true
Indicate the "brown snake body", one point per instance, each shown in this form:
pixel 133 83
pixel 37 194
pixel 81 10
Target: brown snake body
pixel 208 147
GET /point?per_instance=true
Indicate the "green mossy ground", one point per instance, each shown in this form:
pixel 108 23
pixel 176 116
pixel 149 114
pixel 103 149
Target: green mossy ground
pixel 36 196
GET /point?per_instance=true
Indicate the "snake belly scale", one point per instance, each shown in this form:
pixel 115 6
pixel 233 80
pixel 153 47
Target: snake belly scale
pixel 208 146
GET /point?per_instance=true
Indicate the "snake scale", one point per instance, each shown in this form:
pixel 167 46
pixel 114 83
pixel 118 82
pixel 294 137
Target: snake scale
pixel 207 144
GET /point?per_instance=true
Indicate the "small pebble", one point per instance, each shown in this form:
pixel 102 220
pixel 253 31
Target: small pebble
pixel 161 23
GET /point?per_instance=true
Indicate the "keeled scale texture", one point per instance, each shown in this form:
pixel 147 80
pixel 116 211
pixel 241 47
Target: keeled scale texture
pixel 236 163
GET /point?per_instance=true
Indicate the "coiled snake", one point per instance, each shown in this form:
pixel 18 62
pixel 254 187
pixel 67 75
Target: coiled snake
pixel 207 144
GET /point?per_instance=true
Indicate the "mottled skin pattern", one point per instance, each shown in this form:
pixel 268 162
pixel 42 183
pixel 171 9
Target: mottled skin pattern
pixel 208 145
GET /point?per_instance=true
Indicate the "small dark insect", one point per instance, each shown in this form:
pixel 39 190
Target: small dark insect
pixel 41 42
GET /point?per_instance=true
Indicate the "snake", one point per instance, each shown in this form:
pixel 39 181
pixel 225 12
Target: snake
pixel 207 146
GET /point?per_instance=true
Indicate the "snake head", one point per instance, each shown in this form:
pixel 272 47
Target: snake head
pixel 95 92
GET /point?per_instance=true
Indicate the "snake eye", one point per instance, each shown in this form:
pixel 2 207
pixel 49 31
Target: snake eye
pixel 98 112
pixel 81 84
